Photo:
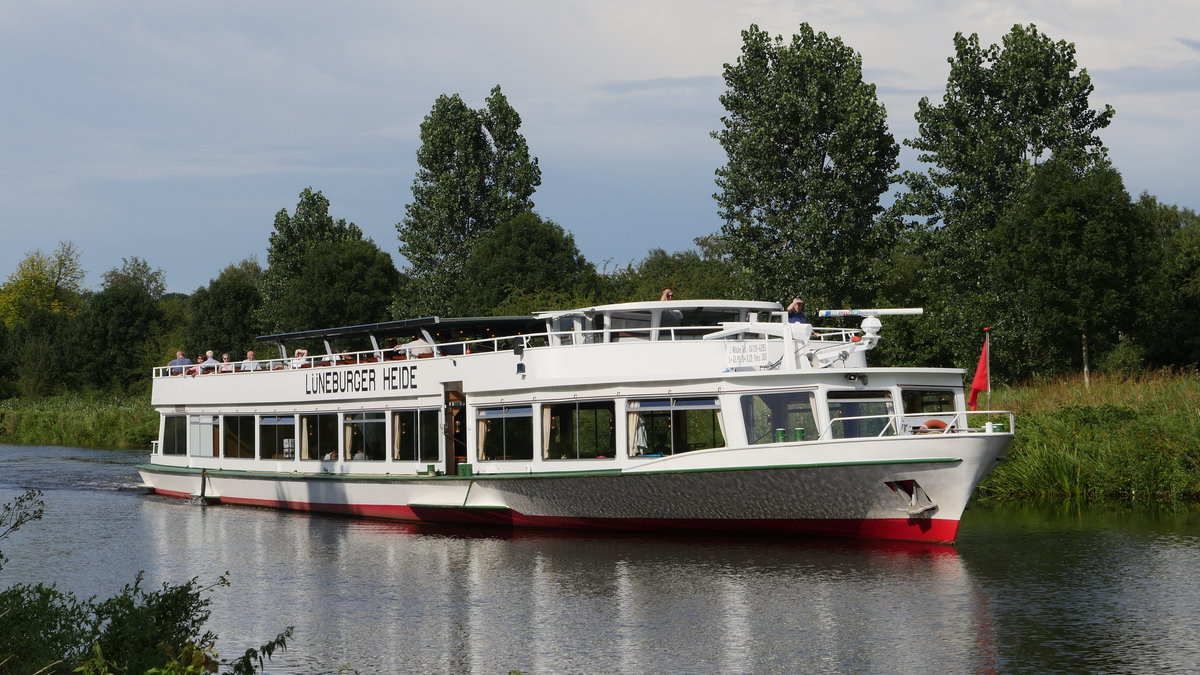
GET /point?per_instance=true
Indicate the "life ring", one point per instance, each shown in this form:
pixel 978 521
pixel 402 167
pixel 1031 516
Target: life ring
pixel 931 426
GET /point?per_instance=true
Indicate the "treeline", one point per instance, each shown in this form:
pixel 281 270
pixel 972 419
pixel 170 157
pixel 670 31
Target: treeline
pixel 1017 221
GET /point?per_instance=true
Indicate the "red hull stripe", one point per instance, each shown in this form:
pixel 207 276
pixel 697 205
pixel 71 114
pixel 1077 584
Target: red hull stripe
pixel 930 530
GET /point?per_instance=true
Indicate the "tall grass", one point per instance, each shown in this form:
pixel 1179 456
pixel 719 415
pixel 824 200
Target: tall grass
pixel 1124 437
pixel 91 421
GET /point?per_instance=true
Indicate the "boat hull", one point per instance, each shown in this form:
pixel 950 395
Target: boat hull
pixel 860 498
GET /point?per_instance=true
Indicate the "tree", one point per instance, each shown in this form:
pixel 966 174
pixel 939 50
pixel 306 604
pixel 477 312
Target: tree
pixel 475 173
pixel 692 274
pixel 224 314
pixel 1006 109
pixel 1170 307
pixel 809 155
pixel 138 272
pixel 342 284
pixel 294 237
pixel 1071 260
pixel 523 258
pixel 116 332
pixel 50 282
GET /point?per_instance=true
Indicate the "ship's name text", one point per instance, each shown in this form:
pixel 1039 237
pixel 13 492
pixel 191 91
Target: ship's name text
pixel 361 380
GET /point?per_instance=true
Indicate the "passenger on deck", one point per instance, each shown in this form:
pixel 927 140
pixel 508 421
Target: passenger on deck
pixel 195 370
pixel 210 362
pixel 178 363
pixel 300 358
pixel 670 317
pixel 226 365
pixel 796 311
pixel 419 347
pixel 332 358
pixel 250 364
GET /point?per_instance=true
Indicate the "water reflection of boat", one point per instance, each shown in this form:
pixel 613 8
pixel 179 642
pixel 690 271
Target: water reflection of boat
pixel 685 415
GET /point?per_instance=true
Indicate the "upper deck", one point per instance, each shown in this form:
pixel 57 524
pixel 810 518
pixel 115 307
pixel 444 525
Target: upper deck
pixel 554 354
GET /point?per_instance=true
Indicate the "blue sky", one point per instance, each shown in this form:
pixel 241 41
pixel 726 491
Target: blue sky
pixel 175 131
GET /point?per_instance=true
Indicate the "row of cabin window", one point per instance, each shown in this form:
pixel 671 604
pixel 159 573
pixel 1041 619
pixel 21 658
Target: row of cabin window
pixel 363 436
pixel 572 430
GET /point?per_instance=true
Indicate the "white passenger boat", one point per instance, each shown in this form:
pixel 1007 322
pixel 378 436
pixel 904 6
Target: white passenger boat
pixel 671 415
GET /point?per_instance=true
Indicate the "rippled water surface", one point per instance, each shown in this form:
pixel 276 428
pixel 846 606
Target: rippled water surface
pixel 1030 589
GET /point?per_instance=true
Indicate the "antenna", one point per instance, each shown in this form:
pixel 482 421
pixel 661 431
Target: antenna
pixel 871 312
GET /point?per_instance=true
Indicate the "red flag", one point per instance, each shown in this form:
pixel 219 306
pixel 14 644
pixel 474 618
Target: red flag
pixel 980 383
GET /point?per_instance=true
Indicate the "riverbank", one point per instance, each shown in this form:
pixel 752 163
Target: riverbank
pixel 1123 438
pixel 88 421
pixel 1126 437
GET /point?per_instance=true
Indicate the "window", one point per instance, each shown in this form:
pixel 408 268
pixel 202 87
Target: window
pixel 927 400
pixel 415 435
pixel 318 436
pixel 202 435
pixel 699 316
pixel 875 406
pixel 505 433
pixel 579 430
pixel 629 326
pixel 668 426
pixel 774 418
pixel 364 435
pixel 277 437
pixel 174 438
pixel 239 436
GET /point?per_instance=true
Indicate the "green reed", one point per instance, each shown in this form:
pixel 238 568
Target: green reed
pixel 1122 437
pixel 82 420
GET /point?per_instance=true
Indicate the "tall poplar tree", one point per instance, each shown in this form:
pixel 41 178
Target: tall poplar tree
pixel 809 155
pixel 1008 107
pixel 475 173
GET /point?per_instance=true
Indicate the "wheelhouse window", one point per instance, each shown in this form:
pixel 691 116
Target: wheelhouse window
pixel 319 436
pixel 238 435
pixel 174 438
pixel 687 320
pixel 505 433
pixel 779 417
pixel 860 414
pixel 669 426
pixel 415 435
pixel 927 401
pixel 277 437
pixel 364 436
pixel 579 430
pixel 203 438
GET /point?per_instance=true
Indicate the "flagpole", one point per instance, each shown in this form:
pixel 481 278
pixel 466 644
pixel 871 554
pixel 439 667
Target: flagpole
pixel 987 347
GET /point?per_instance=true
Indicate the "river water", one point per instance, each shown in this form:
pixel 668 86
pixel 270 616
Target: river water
pixel 1027 589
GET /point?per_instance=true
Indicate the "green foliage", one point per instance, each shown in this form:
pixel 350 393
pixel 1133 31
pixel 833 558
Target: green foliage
pixel 341 284
pixel 96 420
pixel 1168 332
pixel 46 282
pixel 809 155
pixel 225 314
pixel 135 631
pixel 137 272
pixel 1006 109
pixel 691 274
pixel 294 238
pixel 115 326
pixel 1122 437
pixel 523 258
pixel 475 173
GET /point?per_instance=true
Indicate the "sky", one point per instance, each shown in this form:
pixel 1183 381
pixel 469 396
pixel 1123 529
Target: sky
pixel 175 131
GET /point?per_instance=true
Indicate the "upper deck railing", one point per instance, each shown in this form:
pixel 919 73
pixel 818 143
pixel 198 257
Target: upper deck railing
pixel 822 338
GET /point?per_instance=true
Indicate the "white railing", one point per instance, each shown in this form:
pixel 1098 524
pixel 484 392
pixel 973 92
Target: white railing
pixel 927 423
pixel 475 346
